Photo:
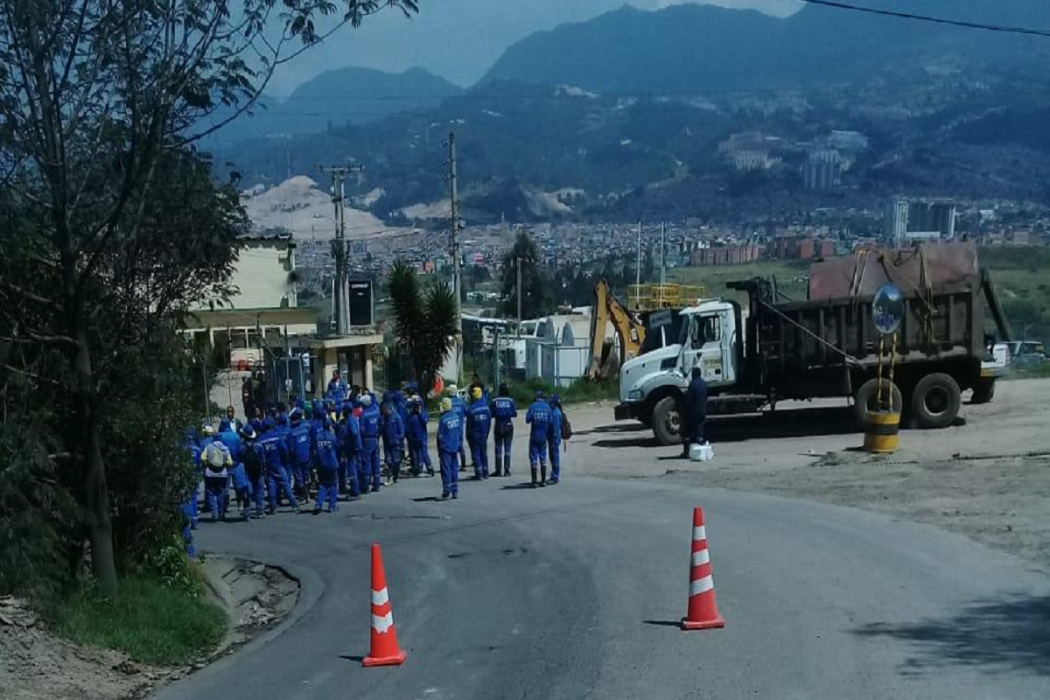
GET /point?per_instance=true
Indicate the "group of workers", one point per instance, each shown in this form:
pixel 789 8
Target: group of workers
pixel 339 445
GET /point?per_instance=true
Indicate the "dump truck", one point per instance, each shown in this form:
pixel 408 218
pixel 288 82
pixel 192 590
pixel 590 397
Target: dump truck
pixel 828 346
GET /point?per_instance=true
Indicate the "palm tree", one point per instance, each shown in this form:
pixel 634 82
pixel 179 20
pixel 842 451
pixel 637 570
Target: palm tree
pixel 424 321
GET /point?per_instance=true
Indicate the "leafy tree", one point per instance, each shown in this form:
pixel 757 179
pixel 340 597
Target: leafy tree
pixel 424 321
pixel 117 225
pixel 537 298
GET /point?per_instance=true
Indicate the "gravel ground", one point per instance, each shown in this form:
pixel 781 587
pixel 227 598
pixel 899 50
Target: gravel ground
pixel 988 477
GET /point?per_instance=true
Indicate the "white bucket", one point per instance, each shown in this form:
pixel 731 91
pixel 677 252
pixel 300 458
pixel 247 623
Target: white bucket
pixel 701 453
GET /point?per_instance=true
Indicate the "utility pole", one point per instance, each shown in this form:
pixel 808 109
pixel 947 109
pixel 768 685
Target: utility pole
pixel 455 228
pixel 341 302
pixel 517 262
pixel 638 270
pixel 663 254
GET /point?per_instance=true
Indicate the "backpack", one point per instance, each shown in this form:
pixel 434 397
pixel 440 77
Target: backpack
pixel 566 426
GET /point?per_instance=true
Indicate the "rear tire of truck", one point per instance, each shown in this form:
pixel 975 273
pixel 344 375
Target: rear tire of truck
pixel 667 422
pixel 983 391
pixel 867 398
pixel 936 401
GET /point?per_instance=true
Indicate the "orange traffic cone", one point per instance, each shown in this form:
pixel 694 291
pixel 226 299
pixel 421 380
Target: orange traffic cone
pixel 384 650
pixel 703 610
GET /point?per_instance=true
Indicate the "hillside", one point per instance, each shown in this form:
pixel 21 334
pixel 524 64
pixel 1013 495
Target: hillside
pixel 334 99
pixel 625 127
pixel 696 48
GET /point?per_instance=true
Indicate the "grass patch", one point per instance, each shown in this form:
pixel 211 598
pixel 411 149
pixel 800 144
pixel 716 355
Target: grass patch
pixel 149 621
pixel 580 391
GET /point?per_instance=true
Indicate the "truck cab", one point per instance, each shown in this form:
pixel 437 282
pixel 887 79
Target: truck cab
pixel 652 385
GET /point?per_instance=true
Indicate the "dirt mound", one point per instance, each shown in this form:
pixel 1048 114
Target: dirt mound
pixel 35 664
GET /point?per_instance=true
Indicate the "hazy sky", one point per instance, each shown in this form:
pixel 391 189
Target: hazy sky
pixel 460 39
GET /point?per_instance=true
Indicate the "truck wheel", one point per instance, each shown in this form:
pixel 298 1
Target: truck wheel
pixel 983 391
pixel 867 398
pixel 667 422
pixel 936 401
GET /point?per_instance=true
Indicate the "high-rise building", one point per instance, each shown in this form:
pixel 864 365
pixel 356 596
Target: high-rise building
pixel 919 220
pixel 896 225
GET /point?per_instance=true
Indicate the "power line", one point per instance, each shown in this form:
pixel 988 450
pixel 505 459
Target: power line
pixel 928 18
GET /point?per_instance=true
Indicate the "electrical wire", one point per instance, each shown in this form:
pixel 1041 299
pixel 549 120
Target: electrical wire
pixel 928 18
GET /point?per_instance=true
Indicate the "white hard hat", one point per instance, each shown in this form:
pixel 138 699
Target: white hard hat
pixel 366 400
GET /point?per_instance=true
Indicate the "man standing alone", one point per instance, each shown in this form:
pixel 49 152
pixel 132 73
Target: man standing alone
pixel 695 412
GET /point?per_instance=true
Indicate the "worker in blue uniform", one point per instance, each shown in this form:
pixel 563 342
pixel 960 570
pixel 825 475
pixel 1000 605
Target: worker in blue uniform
pixel 254 467
pixel 300 452
pixel 371 471
pixel 274 446
pixel 327 470
pixel 418 452
pixel 554 439
pixel 217 462
pixel 504 411
pixel 393 440
pixel 539 419
pixel 229 437
pixel 336 389
pixel 460 407
pixel 479 424
pixel 350 448
pixel 189 506
pixel 693 428
pixel 449 441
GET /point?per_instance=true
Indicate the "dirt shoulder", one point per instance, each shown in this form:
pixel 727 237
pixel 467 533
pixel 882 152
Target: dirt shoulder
pixel 35 664
pixel 987 478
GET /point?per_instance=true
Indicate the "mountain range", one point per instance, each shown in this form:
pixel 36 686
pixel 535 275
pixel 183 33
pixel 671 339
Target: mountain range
pixel 333 99
pixel 626 113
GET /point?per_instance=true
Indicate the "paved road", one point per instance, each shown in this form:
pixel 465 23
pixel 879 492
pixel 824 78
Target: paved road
pixel 572 591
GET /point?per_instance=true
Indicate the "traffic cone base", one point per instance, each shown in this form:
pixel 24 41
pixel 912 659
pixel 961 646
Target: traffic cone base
pixel 395 660
pixel 383 650
pixel 716 623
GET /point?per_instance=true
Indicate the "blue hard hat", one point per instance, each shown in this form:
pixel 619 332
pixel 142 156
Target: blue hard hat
pixel 282 419
pixel 297 415
pixel 248 432
pixel 555 398
pixel 269 423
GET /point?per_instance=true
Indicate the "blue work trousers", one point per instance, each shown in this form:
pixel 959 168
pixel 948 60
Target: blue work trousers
pixel 218 495
pixel 537 452
pixel 419 457
pixel 278 482
pixel 370 467
pixel 480 456
pixel 449 473
pixel 328 489
pixel 555 449
pixel 503 445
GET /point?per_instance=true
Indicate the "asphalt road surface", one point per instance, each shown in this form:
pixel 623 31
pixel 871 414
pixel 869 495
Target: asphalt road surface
pixel 575 591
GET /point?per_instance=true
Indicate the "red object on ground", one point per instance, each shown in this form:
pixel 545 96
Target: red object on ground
pixel 703 610
pixel 384 649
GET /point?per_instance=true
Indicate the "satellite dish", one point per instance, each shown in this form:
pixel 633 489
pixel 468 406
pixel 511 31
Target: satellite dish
pixel 888 308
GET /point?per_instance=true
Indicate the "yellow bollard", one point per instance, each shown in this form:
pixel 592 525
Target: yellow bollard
pixel 882 432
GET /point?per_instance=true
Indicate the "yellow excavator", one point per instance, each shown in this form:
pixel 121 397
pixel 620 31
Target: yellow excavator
pixel 629 331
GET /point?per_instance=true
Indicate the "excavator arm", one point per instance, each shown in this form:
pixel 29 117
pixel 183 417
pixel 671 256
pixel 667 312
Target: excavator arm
pixel 630 333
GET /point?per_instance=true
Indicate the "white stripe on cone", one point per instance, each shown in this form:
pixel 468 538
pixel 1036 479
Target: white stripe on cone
pixel 380 597
pixel 701 585
pixel 699 533
pixel 701 557
pixel 382 623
